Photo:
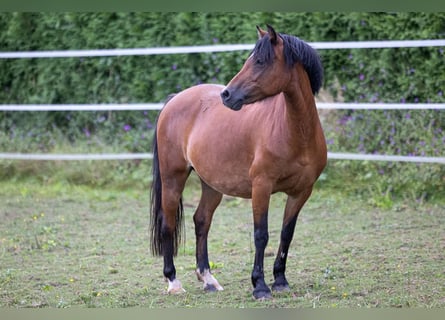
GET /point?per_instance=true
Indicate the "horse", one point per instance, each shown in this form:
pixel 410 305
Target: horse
pixel 258 135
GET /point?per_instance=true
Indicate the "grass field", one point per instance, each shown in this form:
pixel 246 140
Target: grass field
pixel 64 246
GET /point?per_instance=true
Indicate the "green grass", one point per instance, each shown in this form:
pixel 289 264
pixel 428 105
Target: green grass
pixel 64 246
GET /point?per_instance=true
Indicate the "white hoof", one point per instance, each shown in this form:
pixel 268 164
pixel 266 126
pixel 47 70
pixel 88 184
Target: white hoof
pixel 209 281
pixel 175 287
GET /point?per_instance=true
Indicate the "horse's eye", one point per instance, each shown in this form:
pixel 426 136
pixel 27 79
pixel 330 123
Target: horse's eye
pixel 259 62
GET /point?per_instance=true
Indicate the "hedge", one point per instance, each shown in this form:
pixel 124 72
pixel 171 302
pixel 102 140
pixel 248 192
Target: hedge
pixel 413 75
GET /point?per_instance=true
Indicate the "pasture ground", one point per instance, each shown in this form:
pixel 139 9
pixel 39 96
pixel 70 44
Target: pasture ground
pixel 66 246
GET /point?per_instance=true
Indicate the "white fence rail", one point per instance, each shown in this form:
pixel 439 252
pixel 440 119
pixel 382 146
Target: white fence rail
pixel 204 49
pixel 216 48
pixel 141 156
pixel 158 106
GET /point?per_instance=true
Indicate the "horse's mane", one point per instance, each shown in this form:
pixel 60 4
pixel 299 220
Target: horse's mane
pixel 295 50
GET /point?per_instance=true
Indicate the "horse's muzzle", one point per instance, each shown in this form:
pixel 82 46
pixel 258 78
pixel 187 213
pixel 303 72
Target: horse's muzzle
pixel 231 99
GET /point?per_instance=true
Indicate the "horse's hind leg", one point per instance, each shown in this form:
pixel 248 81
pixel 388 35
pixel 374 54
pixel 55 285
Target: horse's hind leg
pixel 172 187
pixel 293 207
pixel 210 199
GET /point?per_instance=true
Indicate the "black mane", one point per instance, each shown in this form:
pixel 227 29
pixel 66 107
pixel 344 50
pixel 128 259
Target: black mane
pixel 295 50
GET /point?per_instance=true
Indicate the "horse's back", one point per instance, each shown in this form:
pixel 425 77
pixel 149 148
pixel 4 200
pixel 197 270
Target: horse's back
pixel 181 111
pixel 192 99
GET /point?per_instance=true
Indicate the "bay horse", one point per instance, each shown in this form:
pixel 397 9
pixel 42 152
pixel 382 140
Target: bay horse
pixel 259 135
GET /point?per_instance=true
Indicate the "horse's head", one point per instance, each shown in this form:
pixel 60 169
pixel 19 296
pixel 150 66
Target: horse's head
pixel 263 74
pixel 267 71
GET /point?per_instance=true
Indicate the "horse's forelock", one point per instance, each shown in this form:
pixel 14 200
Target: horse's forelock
pixel 263 50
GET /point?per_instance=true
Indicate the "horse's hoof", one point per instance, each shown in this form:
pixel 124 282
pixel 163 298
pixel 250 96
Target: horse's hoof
pixel 175 287
pixel 262 294
pixel 280 287
pixel 210 288
pixel 176 291
pixel 210 283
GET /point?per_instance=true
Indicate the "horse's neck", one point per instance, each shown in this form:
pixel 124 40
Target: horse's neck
pixel 300 107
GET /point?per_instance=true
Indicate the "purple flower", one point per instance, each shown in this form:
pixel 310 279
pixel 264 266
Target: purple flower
pixel 127 128
pixel 361 77
pixel 87 132
pixel 391 141
pixel 344 120
pixel 215 40
pixel 174 66
pixel 148 124
pixel 408 115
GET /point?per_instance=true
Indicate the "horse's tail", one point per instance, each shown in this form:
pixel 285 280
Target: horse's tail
pixel 156 217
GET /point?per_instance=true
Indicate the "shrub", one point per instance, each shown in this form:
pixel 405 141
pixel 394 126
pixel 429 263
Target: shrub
pixel 392 132
pixel 374 75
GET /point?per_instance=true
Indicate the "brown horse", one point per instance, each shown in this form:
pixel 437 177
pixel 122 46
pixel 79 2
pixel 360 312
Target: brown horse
pixel 258 135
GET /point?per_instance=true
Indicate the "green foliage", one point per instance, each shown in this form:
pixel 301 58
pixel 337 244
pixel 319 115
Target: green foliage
pixel 373 75
pixel 407 133
pixel 403 75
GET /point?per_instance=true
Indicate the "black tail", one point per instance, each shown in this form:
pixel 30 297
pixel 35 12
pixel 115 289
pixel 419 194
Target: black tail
pixel 156 219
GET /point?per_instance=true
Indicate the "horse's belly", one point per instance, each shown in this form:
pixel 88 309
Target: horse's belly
pixel 225 177
pixel 235 188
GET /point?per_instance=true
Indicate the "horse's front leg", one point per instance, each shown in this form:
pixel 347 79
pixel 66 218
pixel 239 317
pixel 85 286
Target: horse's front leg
pixel 210 199
pixel 261 192
pixel 293 207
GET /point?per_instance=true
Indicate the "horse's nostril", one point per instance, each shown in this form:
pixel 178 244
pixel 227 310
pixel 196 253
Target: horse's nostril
pixel 225 94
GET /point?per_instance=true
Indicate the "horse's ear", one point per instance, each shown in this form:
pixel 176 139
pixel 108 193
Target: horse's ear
pixel 261 32
pixel 272 34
